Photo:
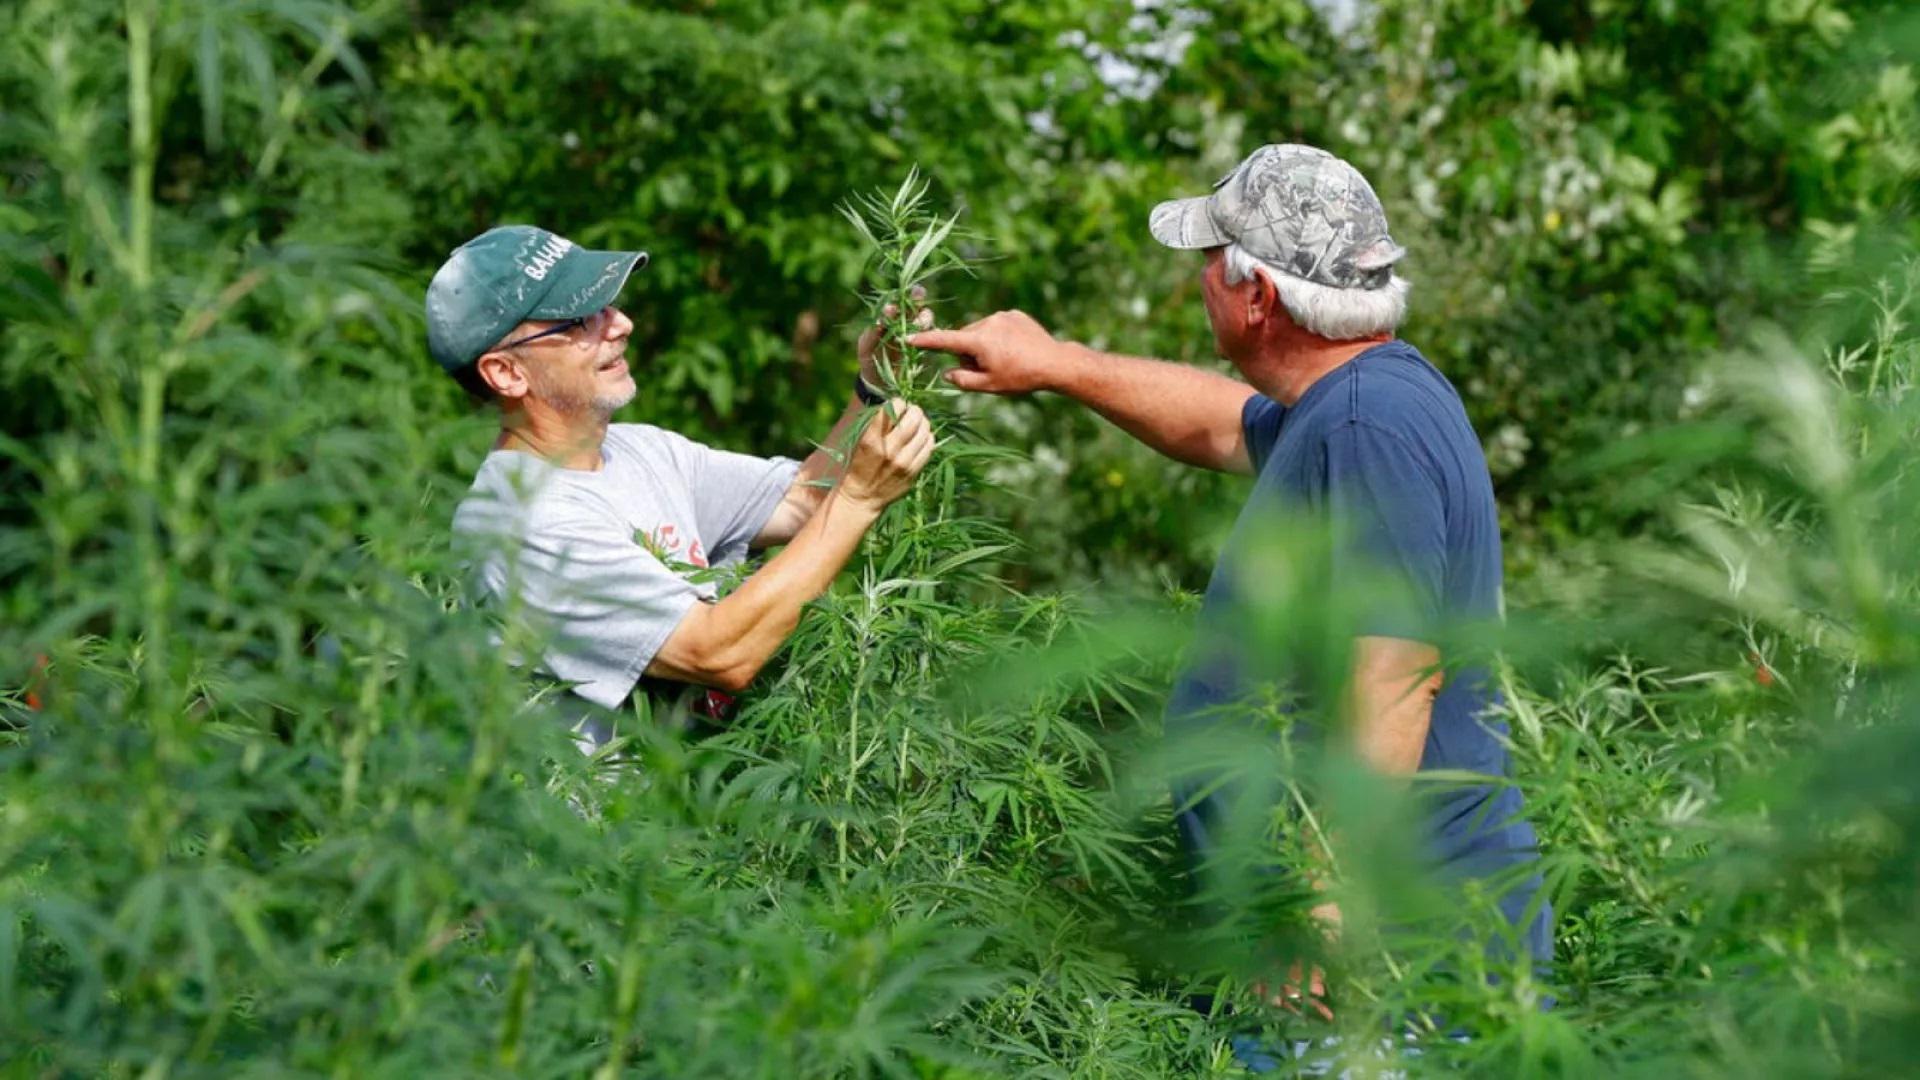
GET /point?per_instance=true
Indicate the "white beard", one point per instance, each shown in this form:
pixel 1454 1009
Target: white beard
pixel 599 405
pixel 606 405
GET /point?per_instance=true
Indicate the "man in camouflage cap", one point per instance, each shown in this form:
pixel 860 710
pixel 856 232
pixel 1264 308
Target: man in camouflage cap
pixel 608 536
pixel 1341 420
pixel 1296 208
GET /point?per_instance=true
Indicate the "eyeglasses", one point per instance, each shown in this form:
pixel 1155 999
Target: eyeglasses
pixel 564 328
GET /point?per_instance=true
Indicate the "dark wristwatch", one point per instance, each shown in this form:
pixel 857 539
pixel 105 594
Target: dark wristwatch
pixel 867 394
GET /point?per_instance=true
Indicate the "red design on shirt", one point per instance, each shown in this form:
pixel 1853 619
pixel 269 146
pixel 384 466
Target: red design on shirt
pixel 666 542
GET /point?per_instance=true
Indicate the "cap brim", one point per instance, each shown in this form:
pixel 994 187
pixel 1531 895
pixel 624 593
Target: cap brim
pixel 586 281
pixel 1186 224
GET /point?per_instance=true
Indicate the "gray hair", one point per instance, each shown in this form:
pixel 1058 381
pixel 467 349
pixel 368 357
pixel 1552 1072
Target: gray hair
pixel 1334 314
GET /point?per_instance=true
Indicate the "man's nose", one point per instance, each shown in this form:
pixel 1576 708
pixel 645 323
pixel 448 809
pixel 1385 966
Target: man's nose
pixel 618 325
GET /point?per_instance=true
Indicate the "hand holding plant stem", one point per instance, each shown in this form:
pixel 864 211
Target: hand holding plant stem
pixel 890 454
pixel 880 339
pixel 910 246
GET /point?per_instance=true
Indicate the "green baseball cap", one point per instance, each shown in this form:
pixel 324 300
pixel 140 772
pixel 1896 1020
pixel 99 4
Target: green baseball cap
pixel 506 275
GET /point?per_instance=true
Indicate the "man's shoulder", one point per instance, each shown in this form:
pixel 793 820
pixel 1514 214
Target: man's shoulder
pixel 519 494
pixel 1396 388
pixel 647 438
pixel 637 433
pixel 1397 372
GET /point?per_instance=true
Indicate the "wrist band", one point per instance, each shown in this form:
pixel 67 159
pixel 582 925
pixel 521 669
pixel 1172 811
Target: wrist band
pixel 867 394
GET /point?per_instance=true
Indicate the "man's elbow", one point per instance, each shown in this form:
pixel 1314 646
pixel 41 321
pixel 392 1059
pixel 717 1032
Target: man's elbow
pixel 730 667
pixel 733 678
pixel 1229 454
pixel 697 654
pixel 1427 691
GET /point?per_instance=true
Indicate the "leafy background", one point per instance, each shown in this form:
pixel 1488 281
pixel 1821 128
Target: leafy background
pixel 272 803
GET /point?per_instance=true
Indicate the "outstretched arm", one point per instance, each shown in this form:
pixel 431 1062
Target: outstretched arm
pixel 1190 415
pixel 725 644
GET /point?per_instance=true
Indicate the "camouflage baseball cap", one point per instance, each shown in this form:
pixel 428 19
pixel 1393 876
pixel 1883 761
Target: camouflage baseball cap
pixel 1295 207
pixel 493 282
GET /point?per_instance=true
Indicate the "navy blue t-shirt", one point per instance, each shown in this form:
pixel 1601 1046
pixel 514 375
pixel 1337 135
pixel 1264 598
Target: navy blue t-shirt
pixel 1381 451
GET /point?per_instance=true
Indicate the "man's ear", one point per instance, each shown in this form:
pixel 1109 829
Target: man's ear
pixel 503 373
pixel 1263 299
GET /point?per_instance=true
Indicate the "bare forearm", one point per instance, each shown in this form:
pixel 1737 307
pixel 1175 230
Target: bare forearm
pixel 1188 414
pixel 727 644
pixel 1389 707
pixel 811 482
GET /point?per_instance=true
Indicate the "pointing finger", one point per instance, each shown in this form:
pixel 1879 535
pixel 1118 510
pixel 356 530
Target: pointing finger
pixel 953 341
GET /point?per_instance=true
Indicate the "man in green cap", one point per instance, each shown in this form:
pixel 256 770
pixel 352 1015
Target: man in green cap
pixel 608 535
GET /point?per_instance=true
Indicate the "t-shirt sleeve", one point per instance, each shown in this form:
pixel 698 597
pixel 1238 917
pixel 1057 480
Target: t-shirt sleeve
pixel 606 603
pixel 733 495
pixel 1260 424
pixel 1388 513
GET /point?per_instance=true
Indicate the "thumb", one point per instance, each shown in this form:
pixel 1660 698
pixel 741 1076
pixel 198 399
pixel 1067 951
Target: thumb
pixel 968 379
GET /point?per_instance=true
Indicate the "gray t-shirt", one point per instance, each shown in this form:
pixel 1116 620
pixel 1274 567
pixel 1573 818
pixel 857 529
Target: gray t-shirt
pixel 607 563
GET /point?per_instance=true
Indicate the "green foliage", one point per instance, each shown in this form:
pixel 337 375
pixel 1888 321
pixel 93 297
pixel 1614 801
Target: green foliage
pixel 271 801
pixel 1771 883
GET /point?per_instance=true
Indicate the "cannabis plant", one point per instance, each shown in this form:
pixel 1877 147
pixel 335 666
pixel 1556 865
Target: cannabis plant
pixel 895 785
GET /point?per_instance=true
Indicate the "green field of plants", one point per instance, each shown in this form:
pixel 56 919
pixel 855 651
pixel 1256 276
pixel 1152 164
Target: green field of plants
pixel 273 802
